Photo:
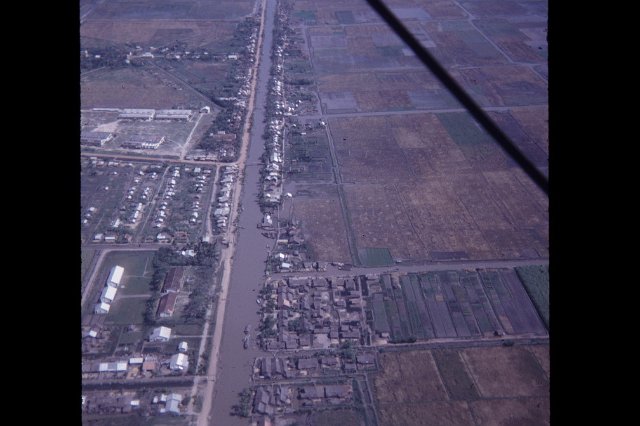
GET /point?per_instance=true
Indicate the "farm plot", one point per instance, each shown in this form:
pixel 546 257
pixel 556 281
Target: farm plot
pixel 196 34
pixel 502 372
pixel 458 43
pixel 520 411
pixel 318 208
pixel 173 9
pixel 378 221
pixel 332 12
pixel 526 144
pixel 511 302
pixel 454 375
pixel 521 41
pixel 409 377
pixel 382 91
pixel 536 282
pixel 140 87
pixel 364 48
pixel 450 210
pixel 441 387
pixel 308 158
pixel 534 120
pixel 503 85
pixel 462 304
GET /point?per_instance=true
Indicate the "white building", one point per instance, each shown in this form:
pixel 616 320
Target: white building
pixel 108 294
pixel 160 334
pixel 183 347
pixel 137 114
pixel 173 403
pixel 102 308
pixel 174 114
pixel 179 362
pixel 115 276
pixel 135 361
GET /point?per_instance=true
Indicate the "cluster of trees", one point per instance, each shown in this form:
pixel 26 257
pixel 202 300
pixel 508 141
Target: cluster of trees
pixel 243 409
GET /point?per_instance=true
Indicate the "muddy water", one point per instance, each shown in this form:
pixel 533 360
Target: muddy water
pixel 235 363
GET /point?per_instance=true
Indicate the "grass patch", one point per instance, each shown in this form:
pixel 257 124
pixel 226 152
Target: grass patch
pixel 127 311
pixel 135 285
pixel 536 282
pixel 463 129
pixel 131 338
pixel 133 263
pixel 188 329
pixel 375 257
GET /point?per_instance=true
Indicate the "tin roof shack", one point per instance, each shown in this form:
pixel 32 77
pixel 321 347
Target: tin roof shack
pixel 307 365
pixel 311 395
pixel 261 402
pixel 160 334
pixel 173 280
pixel 366 361
pixel 95 138
pixel 330 363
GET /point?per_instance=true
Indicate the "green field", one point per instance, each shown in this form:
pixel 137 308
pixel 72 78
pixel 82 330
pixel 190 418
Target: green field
pixel 189 329
pixel 463 129
pixel 375 257
pixel 136 263
pixel 127 311
pixel 536 281
pixel 135 285
pixel 131 338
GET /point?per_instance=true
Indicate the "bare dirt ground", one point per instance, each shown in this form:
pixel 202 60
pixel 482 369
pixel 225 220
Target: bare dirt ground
pixel 484 386
pixel 506 372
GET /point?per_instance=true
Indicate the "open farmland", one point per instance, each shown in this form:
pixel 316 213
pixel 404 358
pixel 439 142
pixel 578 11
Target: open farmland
pixel 136 88
pixel 452 304
pixel 173 9
pixel 424 387
pixel 325 226
pixel 194 34
pixel 429 184
pixel 382 91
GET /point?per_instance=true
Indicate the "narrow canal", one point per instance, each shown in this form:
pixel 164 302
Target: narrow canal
pixel 247 275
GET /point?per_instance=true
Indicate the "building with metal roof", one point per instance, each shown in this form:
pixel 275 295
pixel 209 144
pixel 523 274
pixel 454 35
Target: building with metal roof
pixel 108 294
pixel 102 308
pixel 174 114
pixel 179 362
pixel 92 138
pixel 137 114
pixel 115 276
pixel 160 334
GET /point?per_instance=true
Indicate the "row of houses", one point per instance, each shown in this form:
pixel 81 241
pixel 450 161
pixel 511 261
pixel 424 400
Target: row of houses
pixel 109 291
pixel 223 206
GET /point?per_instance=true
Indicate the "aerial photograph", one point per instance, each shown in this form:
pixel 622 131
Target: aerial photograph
pixel 314 212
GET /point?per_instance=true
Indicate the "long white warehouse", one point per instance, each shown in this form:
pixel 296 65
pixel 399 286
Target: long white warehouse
pixel 115 276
